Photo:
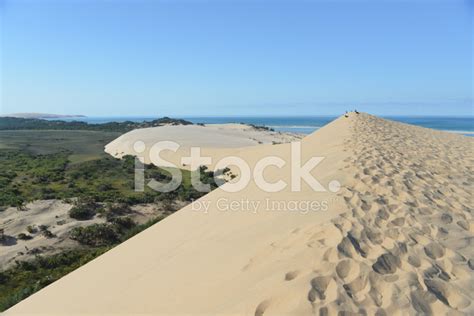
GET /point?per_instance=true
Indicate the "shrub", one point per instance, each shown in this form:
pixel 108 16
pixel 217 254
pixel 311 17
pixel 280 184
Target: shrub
pixel 48 234
pixel 81 213
pixel 123 223
pixel 23 236
pixel 85 209
pixel 3 277
pixel 31 229
pixel 104 186
pixel 139 228
pixel 96 235
pixel 117 209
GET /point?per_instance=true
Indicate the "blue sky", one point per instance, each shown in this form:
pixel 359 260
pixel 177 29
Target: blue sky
pixel 182 58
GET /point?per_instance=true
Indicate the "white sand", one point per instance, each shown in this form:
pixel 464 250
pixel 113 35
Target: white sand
pixel 397 239
pixel 211 138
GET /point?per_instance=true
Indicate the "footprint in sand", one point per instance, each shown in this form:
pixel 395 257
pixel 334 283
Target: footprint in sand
pixel 414 261
pixel 331 255
pixel 322 288
pixel 347 270
pixel 358 288
pixel 463 224
pixel 262 307
pixel 400 221
pixel 291 275
pixel 386 264
pixel 434 250
pixel 446 293
pixel 446 218
pixel 422 301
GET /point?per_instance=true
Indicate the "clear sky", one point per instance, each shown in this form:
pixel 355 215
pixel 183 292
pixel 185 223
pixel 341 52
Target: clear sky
pixel 182 58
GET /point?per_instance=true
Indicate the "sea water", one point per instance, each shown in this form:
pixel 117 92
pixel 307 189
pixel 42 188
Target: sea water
pixel 304 125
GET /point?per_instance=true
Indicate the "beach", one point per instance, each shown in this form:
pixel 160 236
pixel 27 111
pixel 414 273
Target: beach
pixel 393 237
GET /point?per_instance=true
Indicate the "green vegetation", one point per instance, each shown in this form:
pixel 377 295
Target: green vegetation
pixel 46 232
pixel 84 209
pixel 13 123
pixel 70 164
pixel 115 210
pixel 23 236
pixel 31 229
pixel 25 177
pixel 115 231
pixel 28 277
pixel 260 127
pixel 81 145
pixel 96 235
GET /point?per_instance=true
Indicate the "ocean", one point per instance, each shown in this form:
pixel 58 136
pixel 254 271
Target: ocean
pixel 307 124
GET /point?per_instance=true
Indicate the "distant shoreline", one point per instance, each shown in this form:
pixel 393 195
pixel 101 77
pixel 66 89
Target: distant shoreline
pixel 292 124
pixel 303 125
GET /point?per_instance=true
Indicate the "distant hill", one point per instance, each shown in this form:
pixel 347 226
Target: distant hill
pixel 16 123
pixel 39 115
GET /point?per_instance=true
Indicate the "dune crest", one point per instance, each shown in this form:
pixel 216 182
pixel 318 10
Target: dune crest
pixel 397 238
pixel 408 234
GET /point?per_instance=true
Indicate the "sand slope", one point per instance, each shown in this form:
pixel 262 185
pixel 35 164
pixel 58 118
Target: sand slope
pixel 396 239
pixel 211 138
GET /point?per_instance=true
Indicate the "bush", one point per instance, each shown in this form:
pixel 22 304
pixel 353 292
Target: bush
pixel 123 223
pixel 31 229
pixel 96 235
pixel 46 232
pixel 23 236
pixel 81 213
pixel 117 209
pixel 139 228
pixel 3 277
pixel 104 187
pixel 84 209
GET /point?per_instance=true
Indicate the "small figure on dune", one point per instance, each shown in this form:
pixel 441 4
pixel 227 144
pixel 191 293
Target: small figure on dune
pixel 356 112
pixel 346 115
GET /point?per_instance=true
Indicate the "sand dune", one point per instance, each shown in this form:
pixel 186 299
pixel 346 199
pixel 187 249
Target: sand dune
pixel 396 239
pixel 211 138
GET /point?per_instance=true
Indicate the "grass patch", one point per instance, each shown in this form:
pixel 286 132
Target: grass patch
pixel 82 145
pixel 26 177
